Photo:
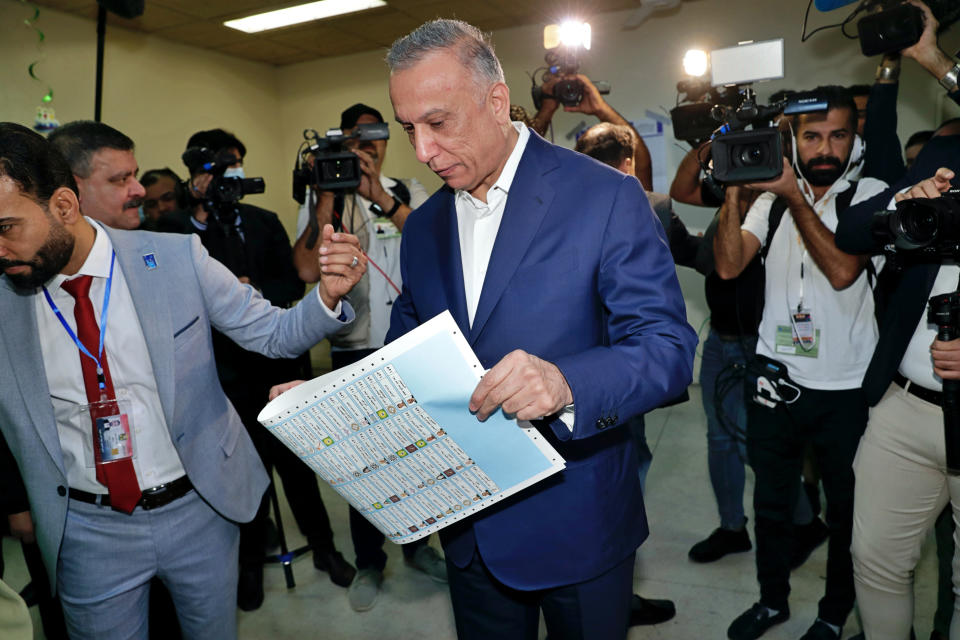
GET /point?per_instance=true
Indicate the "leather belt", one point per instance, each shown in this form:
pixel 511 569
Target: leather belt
pixel 152 498
pixel 929 395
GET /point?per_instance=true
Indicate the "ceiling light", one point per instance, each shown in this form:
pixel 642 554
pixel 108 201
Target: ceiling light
pixel 301 13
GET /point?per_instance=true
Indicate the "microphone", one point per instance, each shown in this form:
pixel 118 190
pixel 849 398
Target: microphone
pixel 830 5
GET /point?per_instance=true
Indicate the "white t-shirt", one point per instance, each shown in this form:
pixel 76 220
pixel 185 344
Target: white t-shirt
pixel 843 321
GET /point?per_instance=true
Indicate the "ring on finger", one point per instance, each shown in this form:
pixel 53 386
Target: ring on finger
pixel 355 261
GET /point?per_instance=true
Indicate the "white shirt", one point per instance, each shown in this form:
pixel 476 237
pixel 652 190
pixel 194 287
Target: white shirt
pixel 844 319
pixel 478 223
pixel 155 459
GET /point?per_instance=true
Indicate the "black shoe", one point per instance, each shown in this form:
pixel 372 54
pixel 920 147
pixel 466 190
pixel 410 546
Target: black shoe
pixel 806 539
pixel 644 611
pixel 250 587
pixel 720 543
pixel 820 630
pixel 341 572
pixel 754 622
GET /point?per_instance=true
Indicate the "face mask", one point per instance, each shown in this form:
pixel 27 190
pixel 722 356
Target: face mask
pixel 142 215
pixel 234 172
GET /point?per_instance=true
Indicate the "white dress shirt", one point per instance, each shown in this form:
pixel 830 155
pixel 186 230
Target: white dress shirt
pixel 478 223
pixel 155 459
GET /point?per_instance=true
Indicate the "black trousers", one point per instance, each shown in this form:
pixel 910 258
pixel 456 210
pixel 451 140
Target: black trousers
pixel 832 422
pixel 299 480
pixel 484 608
pixel 367 539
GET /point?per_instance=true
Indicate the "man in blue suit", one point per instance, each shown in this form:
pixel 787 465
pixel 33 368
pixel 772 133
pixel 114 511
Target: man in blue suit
pixel 135 463
pixel 556 269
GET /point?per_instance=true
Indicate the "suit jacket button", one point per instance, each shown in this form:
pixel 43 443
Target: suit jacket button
pixel 612 421
pixel 601 424
pixel 61 490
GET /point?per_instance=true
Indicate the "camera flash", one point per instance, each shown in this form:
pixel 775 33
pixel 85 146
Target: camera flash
pixel 695 62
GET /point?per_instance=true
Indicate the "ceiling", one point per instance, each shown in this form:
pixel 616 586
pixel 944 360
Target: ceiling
pixel 200 23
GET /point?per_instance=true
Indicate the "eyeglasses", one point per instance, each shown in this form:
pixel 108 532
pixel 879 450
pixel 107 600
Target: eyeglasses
pixel 153 203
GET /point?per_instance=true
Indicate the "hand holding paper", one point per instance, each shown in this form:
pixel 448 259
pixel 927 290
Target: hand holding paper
pixel 524 386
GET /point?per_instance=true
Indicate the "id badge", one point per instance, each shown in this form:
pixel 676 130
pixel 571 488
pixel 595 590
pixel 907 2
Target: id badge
pixel 803 331
pixel 111 432
pixel 800 337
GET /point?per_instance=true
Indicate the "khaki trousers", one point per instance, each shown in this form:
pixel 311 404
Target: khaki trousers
pixel 901 487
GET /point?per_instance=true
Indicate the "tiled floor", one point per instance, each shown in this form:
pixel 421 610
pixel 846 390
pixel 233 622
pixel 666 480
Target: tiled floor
pixel 681 511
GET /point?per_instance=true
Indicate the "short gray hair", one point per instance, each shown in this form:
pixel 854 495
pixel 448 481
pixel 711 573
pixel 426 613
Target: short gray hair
pixel 472 46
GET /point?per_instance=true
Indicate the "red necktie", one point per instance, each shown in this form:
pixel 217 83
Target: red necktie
pixel 118 475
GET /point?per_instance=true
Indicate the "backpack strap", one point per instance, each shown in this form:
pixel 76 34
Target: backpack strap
pixel 401 191
pixel 773 223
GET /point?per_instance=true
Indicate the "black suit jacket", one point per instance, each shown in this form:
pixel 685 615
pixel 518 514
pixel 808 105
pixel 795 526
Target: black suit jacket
pixel 902 296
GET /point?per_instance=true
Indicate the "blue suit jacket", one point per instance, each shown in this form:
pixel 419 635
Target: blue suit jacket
pixel 581 276
pixel 176 304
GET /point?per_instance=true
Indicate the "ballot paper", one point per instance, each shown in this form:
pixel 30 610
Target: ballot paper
pixel 393 435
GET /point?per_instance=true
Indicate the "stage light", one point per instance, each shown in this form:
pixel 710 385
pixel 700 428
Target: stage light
pixel 301 13
pixel 695 62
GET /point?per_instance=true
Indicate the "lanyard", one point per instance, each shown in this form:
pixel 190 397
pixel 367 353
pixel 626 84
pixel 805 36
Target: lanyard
pixel 101 381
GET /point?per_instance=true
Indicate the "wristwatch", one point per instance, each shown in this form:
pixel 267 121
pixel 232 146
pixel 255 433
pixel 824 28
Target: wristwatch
pixel 378 210
pixel 949 79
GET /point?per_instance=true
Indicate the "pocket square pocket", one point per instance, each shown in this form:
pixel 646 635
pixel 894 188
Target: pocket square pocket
pixel 184 328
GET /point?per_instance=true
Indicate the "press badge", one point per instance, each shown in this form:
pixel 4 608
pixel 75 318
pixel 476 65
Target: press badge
pixel 800 337
pixel 112 430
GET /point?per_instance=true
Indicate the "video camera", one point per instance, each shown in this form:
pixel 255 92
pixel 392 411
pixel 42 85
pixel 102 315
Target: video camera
pixel 223 192
pixel 747 147
pixel 326 163
pixel 564 44
pixel 925 228
pixel 890 25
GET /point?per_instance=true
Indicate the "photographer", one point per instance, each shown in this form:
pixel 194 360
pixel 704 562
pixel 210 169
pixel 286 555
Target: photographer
pixel 253 244
pixel 901 458
pixel 817 323
pixel 375 212
pixel 593 104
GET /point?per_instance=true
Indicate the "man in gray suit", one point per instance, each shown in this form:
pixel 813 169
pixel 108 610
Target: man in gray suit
pixel 134 461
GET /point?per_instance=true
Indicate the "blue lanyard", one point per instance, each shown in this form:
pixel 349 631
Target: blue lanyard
pixel 103 324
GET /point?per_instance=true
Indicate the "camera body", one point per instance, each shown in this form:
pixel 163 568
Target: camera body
pixel 222 192
pixel 333 167
pixel 892 29
pixel 565 62
pixel 921 227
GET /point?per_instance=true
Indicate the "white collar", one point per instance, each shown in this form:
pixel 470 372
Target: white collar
pixel 97 263
pixel 502 185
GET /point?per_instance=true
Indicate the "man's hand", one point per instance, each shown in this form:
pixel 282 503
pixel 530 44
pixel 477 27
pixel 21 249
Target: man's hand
pixel 926 46
pixel 929 188
pixel 946 359
pixel 785 185
pixel 277 389
pixel 524 386
pixel 342 264
pixel 370 187
pixel 592 102
pixel 21 527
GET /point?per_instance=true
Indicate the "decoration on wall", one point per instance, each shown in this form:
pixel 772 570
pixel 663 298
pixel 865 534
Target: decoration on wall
pixel 45 119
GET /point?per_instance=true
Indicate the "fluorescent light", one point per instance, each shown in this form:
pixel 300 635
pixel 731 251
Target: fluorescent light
pixel 301 13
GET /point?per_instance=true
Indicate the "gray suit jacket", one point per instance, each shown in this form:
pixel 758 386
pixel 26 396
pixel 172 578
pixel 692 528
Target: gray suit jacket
pixel 177 302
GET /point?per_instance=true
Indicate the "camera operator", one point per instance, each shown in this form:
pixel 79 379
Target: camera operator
pixel 817 323
pixel 883 159
pixel 253 244
pixel 593 104
pixel 375 212
pixel 901 459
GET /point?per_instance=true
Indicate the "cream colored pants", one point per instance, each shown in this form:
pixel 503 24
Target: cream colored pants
pixel 902 486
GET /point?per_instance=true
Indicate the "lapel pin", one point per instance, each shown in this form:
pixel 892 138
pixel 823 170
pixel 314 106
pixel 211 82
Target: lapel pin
pixel 150 260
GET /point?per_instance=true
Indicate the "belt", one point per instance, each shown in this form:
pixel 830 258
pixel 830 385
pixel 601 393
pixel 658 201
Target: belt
pixel 931 396
pixel 152 498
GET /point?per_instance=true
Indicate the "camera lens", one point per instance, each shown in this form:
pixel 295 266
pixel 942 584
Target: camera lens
pixel 750 155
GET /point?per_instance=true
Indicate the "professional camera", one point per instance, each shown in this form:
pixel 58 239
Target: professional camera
pixel 922 227
pixel 889 25
pixel 326 163
pixel 564 44
pixel 222 192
